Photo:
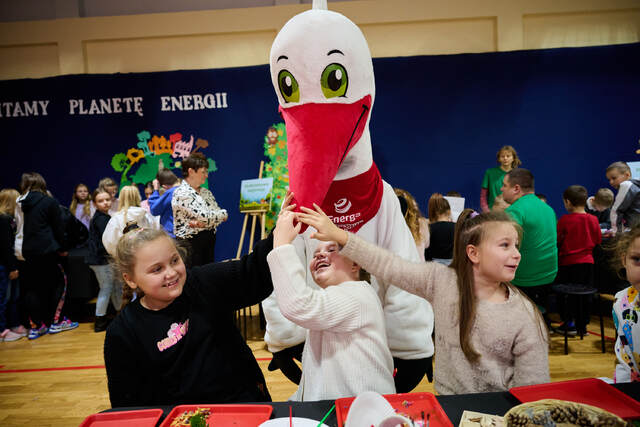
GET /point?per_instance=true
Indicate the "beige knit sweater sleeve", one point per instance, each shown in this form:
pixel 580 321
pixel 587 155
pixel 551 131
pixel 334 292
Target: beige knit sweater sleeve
pixel 418 278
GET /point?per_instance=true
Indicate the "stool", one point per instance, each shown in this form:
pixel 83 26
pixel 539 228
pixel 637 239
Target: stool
pixel 607 298
pixel 580 292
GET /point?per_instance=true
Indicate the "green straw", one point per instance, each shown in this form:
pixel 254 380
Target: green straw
pixel 326 415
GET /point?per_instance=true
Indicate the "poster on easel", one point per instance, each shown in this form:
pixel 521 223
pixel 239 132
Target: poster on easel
pixel 256 194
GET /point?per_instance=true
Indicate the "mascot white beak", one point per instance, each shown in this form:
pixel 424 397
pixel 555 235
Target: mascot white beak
pixel 322 73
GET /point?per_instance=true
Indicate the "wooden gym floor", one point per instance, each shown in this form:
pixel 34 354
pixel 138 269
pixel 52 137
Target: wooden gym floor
pixel 58 380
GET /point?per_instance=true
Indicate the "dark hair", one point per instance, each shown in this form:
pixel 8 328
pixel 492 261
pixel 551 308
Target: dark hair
pixel 576 195
pixel 453 193
pixel 166 177
pixel 522 177
pixel 541 197
pixel 410 212
pixel 98 191
pixel 32 181
pixel 437 206
pixel 195 161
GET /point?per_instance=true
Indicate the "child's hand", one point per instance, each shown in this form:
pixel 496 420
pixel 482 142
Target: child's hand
pixel 285 231
pixel 327 230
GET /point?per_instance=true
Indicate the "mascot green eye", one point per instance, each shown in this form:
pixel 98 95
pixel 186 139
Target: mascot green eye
pixel 288 86
pixel 334 81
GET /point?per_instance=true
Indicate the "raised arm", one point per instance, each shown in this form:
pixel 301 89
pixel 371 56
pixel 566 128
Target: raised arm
pixel 236 284
pixel 418 278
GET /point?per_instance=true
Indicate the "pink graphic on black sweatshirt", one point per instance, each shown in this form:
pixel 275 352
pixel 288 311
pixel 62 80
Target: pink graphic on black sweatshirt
pixel 175 334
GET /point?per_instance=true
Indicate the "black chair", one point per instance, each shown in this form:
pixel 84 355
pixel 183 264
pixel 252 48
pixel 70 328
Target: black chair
pixel 580 293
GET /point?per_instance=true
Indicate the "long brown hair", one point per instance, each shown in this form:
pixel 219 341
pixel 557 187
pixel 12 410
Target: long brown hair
pixel 471 229
pixel 437 206
pixel 413 214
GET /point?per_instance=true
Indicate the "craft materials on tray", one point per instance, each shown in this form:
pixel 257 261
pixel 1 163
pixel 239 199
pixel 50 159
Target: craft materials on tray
pixel 409 409
pixel 478 419
pixel 549 412
pixel 192 418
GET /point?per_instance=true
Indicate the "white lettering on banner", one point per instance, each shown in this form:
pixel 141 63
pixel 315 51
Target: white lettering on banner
pixel 24 108
pixel 345 218
pixel 106 106
pixel 194 102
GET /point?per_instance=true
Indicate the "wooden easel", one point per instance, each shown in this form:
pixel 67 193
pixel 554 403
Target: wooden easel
pixel 241 315
pixel 262 213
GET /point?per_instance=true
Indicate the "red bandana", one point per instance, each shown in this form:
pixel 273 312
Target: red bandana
pixel 351 203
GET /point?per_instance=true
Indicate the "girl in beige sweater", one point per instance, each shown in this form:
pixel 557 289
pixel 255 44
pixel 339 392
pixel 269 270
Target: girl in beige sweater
pixel 489 336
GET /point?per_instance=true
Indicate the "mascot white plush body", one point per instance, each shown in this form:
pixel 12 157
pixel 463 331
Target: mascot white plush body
pixel 322 72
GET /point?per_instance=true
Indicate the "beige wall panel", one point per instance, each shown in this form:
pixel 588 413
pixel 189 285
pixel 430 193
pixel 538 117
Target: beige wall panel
pixel 543 31
pixel 431 37
pixel 29 61
pixel 178 52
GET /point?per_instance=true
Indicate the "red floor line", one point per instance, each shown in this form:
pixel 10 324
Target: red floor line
pixel 598 335
pixel 260 359
pixel 67 368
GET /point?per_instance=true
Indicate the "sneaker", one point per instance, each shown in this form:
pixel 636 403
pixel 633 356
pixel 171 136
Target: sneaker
pixel 8 336
pixel 20 330
pixel 65 325
pixel 37 333
pixel 571 329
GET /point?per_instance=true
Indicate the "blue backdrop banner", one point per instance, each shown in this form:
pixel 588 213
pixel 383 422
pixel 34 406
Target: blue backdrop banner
pixel 437 123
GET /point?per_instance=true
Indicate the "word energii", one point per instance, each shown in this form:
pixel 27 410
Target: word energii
pixel 114 105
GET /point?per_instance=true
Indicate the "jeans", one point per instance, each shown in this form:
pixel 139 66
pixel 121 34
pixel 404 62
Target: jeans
pixel 110 288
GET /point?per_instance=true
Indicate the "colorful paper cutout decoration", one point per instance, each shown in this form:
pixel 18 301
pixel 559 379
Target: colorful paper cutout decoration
pixel 151 153
pixel 275 148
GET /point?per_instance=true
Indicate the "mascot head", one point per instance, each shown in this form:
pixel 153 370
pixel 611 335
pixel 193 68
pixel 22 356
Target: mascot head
pixel 322 73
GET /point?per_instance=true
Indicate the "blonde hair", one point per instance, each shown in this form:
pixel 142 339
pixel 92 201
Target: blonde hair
pixel 413 214
pixel 86 209
pixel 621 247
pixel 129 197
pixel 471 229
pixel 8 198
pixel 509 149
pixel 621 167
pixel 124 260
pixel 604 197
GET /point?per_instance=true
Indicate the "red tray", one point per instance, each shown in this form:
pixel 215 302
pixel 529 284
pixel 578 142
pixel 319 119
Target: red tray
pixel 226 415
pixel 142 418
pixel 591 391
pixel 418 402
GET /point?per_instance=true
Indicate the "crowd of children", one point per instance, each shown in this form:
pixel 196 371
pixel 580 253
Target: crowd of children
pixel 175 340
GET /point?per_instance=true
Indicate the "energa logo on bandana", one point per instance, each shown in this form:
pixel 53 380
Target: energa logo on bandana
pixel 342 206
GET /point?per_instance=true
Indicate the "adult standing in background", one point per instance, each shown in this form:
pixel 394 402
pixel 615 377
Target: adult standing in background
pixel 538 246
pixel 196 214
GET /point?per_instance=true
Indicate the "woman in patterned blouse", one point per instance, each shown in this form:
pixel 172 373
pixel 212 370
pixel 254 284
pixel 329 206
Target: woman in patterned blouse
pixel 196 214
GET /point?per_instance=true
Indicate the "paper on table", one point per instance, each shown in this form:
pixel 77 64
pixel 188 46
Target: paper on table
pixel 457 206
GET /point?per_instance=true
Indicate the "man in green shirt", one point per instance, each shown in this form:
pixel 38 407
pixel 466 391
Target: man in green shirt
pixel 538 247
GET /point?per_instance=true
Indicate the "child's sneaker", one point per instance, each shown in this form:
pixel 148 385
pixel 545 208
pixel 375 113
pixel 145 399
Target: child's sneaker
pixel 8 335
pixel 20 330
pixel 65 325
pixel 37 333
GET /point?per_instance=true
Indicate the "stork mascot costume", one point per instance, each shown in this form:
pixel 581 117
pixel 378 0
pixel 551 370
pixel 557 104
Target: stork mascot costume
pixel 322 73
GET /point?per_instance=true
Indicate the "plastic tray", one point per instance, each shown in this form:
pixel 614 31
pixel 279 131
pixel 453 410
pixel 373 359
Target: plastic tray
pixel 226 415
pixel 590 391
pixel 142 418
pixel 417 403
